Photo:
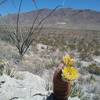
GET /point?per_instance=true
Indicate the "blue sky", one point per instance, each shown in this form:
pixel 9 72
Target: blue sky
pixel 11 6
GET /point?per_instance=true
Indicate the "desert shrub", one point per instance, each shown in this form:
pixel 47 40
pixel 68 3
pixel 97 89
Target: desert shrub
pixel 76 91
pixel 85 98
pixel 92 78
pixel 83 70
pixel 1 67
pixel 10 71
pixel 84 50
pixel 96 97
pixel 57 41
pixel 50 64
pixel 89 97
pixel 88 47
pixel 78 64
pixel 5 37
pixel 6 69
pixel 97 52
pixel 94 69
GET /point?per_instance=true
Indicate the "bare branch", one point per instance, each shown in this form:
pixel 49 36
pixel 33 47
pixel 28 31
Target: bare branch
pixel 48 15
pixel 18 16
pixel 35 4
pixel 39 28
pixel 2 2
pixel 32 27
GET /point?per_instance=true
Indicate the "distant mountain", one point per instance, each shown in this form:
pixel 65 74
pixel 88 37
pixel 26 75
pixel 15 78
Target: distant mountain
pixel 63 18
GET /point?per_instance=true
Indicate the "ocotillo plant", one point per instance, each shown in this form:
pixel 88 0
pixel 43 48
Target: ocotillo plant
pixel 22 41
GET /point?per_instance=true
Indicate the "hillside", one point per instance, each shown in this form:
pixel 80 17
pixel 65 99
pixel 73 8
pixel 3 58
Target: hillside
pixel 62 18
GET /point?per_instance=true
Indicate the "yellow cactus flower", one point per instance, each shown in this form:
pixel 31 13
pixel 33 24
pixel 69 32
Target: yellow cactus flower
pixel 68 60
pixel 70 73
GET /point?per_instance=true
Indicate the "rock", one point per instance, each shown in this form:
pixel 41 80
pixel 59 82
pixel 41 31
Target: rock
pixel 74 98
pixel 30 87
pixel 97 59
pixel 41 47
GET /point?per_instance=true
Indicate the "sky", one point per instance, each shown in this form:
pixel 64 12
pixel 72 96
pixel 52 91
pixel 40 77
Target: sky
pixel 11 6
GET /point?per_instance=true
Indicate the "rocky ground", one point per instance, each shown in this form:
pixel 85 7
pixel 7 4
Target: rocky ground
pixel 31 78
pixel 25 86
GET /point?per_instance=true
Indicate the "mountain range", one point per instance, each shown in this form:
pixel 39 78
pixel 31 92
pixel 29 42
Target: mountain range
pixel 61 18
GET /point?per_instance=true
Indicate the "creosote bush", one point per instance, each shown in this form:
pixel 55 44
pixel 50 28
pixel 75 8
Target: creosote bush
pixel 94 69
pixel 88 47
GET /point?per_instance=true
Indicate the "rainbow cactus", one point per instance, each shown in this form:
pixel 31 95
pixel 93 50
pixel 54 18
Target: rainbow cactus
pixel 63 77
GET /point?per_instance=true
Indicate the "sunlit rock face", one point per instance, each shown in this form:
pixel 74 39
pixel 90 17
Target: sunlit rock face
pixel 25 86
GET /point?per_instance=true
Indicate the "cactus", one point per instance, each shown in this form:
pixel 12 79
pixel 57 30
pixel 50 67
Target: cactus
pixel 64 76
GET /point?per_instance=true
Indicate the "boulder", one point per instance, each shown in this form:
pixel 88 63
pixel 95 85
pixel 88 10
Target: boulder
pixel 25 86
